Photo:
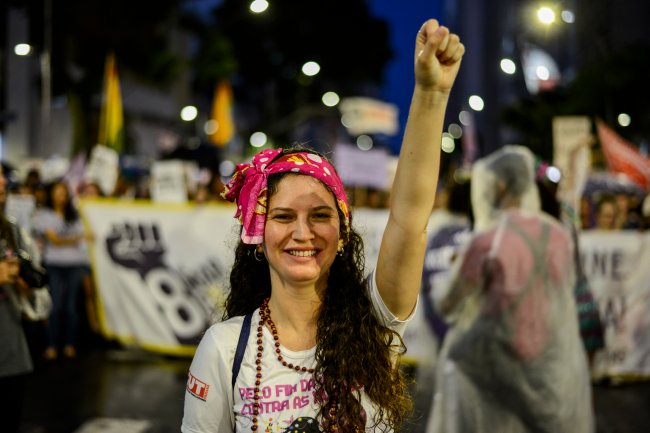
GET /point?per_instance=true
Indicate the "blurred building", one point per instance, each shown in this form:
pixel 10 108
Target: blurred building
pixel 583 31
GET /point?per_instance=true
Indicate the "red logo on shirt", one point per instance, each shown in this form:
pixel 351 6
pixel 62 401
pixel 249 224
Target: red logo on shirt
pixel 197 388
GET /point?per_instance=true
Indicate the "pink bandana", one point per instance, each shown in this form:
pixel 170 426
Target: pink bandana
pixel 248 187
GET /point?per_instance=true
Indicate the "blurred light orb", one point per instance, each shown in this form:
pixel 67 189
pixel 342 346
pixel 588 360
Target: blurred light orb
pixel 464 117
pixel 546 15
pixel 310 69
pixel 346 120
pixel 258 139
pixel 508 66
pixel 448 144
pixel 568 16
pixel 226 168
pixel 364 142
pixel 542 73
pixel 553 174
pixel 210 127
pixel 23 49
pixel 455 130
pixel 624 119
pixel 259 6
pixel 331 99
pixel 189 113
pixel 476 103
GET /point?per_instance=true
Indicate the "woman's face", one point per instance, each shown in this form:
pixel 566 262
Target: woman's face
pixel 606 216
pixel 59 194
pixel 301 232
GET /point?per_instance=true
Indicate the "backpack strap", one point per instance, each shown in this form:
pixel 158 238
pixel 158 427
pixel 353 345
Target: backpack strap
pixel 241 347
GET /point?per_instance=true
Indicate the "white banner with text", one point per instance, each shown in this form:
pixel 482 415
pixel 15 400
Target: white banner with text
pixel 160 270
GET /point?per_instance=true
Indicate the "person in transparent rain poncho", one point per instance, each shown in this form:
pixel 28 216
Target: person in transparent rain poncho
pixel 512 360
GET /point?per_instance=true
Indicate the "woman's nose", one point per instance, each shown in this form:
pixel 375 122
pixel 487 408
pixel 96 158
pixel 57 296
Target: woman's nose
pixel 302 229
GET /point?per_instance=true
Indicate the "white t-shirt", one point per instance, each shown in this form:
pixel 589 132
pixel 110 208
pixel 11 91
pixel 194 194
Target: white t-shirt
pixel 286 396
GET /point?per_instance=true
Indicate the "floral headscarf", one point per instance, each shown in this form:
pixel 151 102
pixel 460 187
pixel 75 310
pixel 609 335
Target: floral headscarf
pixel 248 187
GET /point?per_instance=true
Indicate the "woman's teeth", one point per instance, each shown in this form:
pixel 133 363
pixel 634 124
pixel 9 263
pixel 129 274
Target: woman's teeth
pixel 303 253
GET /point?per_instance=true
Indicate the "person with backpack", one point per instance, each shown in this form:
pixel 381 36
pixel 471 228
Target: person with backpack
pixel 310 342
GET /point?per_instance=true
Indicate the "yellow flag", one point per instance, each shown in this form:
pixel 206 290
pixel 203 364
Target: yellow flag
pixel 223 126
pixel 111 120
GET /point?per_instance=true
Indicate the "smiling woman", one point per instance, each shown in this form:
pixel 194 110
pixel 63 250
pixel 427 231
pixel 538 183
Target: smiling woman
pixel 324 354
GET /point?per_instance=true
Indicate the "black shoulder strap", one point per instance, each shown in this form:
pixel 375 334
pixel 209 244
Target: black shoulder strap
pixel 241 346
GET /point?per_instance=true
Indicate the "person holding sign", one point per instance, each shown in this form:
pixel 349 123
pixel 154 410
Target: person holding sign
pixel 310 344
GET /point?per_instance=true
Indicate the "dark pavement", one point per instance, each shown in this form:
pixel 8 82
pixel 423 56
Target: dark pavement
pixel 109 389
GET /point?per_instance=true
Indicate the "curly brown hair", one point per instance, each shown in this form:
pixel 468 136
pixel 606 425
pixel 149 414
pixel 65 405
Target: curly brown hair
pixel 354 351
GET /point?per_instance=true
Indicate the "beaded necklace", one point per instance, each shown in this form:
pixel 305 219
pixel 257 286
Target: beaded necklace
pixel 265 318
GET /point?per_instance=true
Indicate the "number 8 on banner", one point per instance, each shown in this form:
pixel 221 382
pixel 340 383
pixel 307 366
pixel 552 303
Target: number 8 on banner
pixel 184 313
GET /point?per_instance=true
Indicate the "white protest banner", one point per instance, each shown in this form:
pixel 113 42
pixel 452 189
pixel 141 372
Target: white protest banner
pixel 616 264
pixel 358 167
pixel 572 155
pixel 159 270
pixel 103 168
pixel 168 182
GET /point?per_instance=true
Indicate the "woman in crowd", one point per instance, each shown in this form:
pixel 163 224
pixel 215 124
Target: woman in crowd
pixel 512 360
pixel 323 348
pixel 15 358
pixel 65 258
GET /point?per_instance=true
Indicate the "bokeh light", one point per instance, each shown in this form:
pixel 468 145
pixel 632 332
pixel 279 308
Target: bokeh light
pixel 259 6
pixel 331 99
pixel 624 119
pixel 189 113
pixel 364 142
pixel 258 139
pixel 508 66
pixel 476 103
pixel 22 49
pixel 546 15
pixel 310 69
pixel 448 144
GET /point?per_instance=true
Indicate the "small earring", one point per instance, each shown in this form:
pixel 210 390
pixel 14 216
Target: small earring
pixel 256 254
pixel 340 248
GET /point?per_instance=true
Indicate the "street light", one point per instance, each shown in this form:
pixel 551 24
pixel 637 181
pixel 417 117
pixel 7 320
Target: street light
pixel 23 49
pixel 259 6
pixel 546 15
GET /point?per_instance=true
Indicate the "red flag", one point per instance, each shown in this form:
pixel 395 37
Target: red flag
pixel 623 157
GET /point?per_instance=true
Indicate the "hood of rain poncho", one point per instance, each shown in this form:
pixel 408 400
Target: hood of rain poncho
pixel 512 165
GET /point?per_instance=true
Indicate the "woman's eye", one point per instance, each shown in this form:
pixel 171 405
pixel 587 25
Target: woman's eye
pixel 322 215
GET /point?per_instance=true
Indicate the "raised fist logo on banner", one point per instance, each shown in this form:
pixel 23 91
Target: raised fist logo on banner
pixel 136 247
